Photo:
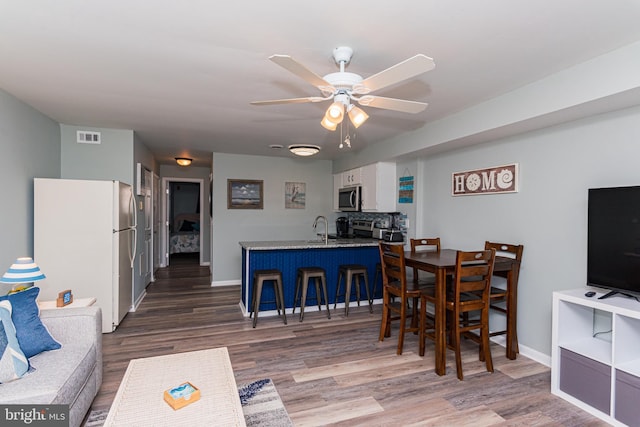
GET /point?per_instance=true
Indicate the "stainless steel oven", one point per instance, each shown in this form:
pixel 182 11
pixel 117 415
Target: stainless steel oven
pixel 349 199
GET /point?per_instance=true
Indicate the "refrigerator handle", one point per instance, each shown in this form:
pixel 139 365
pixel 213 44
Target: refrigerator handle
pixel 132 256
pixel 134 213
pixel 134 227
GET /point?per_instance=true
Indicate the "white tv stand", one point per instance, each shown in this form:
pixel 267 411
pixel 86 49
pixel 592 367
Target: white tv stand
pixel 595 354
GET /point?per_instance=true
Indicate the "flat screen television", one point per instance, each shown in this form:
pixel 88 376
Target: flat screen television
pixel 613 240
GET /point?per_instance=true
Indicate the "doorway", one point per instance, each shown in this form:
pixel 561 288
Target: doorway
pixel 183 214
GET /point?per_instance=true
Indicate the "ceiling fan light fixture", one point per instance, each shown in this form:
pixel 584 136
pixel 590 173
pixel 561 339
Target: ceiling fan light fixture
pixel 357 116
pixel 183 161
pixel 304 150
pixel 343 87
pixel 328 124
pixel 335 112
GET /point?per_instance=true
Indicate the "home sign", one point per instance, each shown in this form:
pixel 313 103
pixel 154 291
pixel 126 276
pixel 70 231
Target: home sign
pixel 498 179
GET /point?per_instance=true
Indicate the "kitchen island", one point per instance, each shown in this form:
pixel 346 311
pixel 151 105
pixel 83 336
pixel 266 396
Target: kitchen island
pixel 287 256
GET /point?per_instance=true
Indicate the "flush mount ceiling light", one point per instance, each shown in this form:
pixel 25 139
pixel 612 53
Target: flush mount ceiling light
pixel 304 150
pixel 183 161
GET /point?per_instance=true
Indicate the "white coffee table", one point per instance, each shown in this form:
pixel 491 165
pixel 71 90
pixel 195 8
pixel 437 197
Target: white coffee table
pixel 140 400
pixel 77 302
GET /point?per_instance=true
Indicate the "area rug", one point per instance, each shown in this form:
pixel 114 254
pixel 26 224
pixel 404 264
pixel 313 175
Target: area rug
pixel 262 406
pixel 260 401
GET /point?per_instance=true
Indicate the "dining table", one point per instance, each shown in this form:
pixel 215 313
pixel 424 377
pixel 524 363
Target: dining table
pixel 442 264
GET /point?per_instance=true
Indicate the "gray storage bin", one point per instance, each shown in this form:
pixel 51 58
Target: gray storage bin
pixel 627 398
pixel 586 380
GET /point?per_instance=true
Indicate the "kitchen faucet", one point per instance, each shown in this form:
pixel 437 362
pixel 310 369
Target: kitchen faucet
pixel 326 227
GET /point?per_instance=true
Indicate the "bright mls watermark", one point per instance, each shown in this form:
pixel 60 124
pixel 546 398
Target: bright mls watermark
pixel 34 415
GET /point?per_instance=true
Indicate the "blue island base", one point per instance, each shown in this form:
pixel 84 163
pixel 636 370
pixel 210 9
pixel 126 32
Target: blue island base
pixel 288 261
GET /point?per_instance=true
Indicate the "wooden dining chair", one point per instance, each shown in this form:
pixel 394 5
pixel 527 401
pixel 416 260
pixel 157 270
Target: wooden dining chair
pixel 499 298
pixel 469 294
pixel 396 293
pixel 424 244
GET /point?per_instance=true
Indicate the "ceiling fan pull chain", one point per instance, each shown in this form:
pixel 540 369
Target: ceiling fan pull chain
pixel 347 139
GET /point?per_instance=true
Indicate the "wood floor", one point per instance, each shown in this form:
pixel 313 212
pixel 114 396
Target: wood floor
pixel 331 372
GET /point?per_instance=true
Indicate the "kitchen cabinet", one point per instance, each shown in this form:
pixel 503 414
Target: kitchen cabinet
pixel 352 177
pixel 378 182
pixel 337 185
pixel 595 354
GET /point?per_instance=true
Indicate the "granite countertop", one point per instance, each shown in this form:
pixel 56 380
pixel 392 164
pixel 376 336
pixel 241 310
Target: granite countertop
pixel 308 244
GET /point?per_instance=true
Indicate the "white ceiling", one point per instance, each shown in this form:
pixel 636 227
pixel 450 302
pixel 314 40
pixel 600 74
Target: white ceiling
pixel 182 74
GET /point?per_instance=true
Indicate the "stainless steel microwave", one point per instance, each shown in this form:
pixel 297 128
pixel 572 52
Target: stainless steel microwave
pixel 349 199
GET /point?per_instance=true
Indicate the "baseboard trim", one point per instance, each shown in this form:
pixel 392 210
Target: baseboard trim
pixel 525 351
pixel 137 302
pixel 226 283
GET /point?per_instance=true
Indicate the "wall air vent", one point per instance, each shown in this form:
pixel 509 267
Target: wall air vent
pixel 88 137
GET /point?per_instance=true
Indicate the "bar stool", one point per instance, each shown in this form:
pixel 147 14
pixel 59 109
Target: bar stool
pixel 375 280
pixel 259 278
pixel 375 283
pixel 303 278
pixel 352 273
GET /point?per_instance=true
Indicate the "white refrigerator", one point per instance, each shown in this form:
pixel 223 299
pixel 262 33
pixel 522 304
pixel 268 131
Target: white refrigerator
pixel 85 241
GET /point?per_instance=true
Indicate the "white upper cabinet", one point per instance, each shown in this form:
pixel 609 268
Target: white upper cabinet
pixel 352 177
pixel 337 185
pixel 378 183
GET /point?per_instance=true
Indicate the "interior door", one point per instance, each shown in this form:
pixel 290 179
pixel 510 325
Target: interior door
pixel 156 226
pixel 168 214
pixel 146 264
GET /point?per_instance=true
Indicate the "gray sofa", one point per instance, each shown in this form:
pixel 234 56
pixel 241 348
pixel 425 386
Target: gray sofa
pixel 71 375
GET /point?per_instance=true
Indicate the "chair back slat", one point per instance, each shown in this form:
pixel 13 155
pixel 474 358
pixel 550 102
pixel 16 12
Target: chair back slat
pixel 506 249
pixel 432 244
pixel 473 271
pixel 393 264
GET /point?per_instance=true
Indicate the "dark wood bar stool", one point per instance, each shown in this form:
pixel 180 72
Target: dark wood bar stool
pixel 375 280
pixel 259 278
pixel 352 273
pixel 303 280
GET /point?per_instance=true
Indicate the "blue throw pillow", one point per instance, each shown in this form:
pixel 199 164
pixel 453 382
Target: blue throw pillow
pixel 33 336
pixel 13 362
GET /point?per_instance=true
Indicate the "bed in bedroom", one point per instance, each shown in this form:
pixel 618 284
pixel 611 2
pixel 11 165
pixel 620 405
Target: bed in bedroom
pixel 186 235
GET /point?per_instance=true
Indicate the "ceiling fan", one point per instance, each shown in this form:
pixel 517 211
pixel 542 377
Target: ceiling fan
pixel 344 87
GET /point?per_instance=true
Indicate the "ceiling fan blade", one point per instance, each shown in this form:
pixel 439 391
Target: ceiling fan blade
pixel 290 64
pixel 290 100
pixel 402 71
pixel 393 104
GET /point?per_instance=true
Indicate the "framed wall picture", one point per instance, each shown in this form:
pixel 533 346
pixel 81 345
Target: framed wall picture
pixel 295 195
pixel 245 194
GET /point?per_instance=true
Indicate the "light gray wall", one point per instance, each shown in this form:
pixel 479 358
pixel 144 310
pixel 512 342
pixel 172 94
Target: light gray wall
pixel 549 213
pixel 30 144
pixel 274 222
pixel 410 168
pixel 110 160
